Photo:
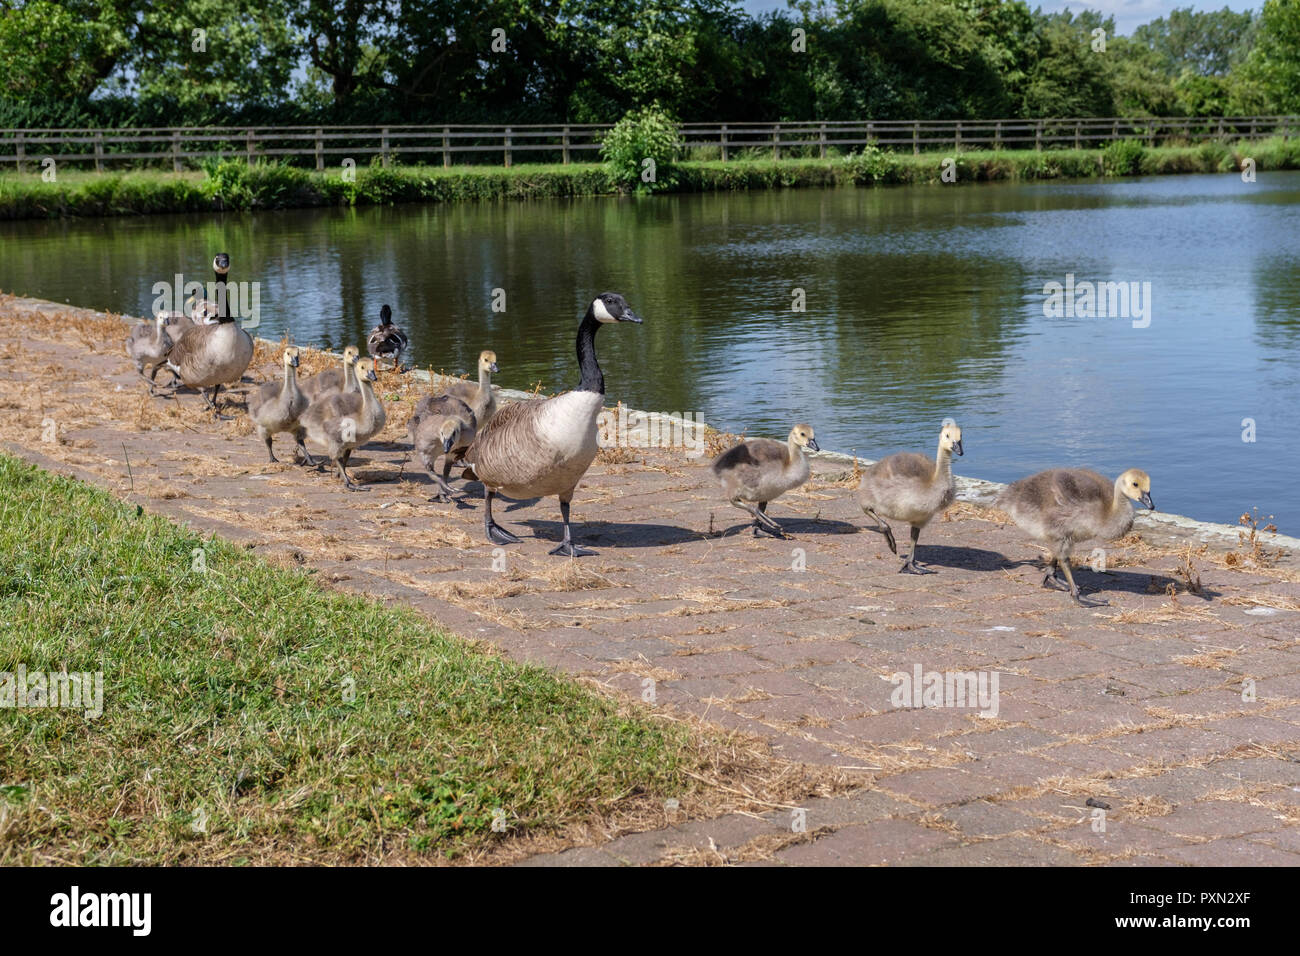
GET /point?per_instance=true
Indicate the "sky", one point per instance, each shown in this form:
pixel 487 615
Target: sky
pixel 1127 13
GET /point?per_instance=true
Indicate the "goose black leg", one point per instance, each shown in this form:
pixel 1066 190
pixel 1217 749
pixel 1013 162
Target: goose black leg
pixel 910 566
pixel 495 533
pixel 307 459
pixel 1074 589
pixel 212 404
pixel 1052 577
pixel 567 547
pixel 444 492
pixel 270 453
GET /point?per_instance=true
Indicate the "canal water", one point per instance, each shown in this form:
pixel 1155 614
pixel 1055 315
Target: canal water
pixel 871 314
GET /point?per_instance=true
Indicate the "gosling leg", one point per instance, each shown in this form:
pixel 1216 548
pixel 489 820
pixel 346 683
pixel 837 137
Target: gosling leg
pixel 1074 589
pixel 883 529
pixel 343 470
pixel 266 437
pixel 1052 576
pixel 761 520
pixel 910 566
pixel 307 459
pixel 495 533
pixel 567 547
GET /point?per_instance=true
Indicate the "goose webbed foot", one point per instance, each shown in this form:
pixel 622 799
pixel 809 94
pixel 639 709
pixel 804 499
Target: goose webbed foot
pixel 1082 601
pixel 495 533
pixel 567 547
pixel 911 567
pixel 774 531
pixel 1053 579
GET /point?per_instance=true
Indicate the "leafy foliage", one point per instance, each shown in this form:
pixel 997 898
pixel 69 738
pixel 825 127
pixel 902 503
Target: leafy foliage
pixel 640 150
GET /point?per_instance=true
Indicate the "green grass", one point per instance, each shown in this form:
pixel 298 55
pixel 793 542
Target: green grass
pixel 224 698
pixel 271 186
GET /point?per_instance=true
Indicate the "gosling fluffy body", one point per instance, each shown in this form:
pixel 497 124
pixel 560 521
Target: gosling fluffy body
pixel 912 488
pixel 755 472
pixel 1064 507
pixel 277 407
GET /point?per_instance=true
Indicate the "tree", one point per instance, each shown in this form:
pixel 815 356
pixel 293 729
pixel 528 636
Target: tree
pixel 1272 70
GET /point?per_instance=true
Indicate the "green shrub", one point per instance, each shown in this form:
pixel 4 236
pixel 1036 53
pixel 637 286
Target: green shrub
pixel 226 183
pixel 871 166
pixel 641 150
pixel 1123 158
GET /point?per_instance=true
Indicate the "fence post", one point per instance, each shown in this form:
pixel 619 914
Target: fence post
pixel 997 136
pixel 822 141
pixel 383 146
pixel 176 151
pixel 507 146
pixel 21 150
pixel 724 142
pixel 565 145
pixel 871 129
pixel 776 142
pixel 1038 135
pixel 248 146
pixel 446 147
pixel 1252 127
pixel 916 139
pixel 1114 130
pixel 957 138
pixel 99 151
pixel 320 149
pixel 1078 134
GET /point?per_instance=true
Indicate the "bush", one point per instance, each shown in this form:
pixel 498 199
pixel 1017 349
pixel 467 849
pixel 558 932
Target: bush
pixel 226 183
pixel 871 166
pixel 1123 158
pixel 641 150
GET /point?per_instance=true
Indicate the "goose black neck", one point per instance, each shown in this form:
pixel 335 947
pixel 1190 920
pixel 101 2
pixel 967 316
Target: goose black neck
pixel 592 378
pixel 222 291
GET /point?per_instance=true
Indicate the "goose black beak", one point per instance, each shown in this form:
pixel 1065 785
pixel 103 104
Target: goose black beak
pixel 958 449
pixel 1146 500
pixel 812 443
pixel 629 316
pixel 446 446
pixel 494 368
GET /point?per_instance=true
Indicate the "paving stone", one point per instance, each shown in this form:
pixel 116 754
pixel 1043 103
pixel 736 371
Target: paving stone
pixel 979 818
pixel 1215 818
pixel 1006 851
pixel 1232 853
pixel 871 844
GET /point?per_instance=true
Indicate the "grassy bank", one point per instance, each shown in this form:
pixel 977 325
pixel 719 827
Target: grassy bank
pixel 250 715
pixel 235 186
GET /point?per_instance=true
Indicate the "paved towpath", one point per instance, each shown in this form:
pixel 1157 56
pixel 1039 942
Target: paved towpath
pixel 1178 707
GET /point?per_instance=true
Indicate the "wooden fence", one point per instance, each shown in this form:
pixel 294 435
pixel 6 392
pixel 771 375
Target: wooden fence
pixel 565 143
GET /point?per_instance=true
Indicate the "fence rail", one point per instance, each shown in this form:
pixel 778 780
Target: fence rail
pixel 564 142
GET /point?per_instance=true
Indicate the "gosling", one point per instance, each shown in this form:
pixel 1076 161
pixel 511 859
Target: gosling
pixel 148 344
pixel 759 470
pixel 346 420
pixel 446 426
pixel 277 407
pixel 1065 507
pixel 912 488
pixel 333 379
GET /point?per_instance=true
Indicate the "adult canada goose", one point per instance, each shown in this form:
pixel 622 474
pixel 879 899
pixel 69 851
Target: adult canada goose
pixel 209 356
pixel 387 340
pixel 1064 507
pixel 912 488
pixel 442 425
pixel 346 420
pixel 761 469
pixel 332 380
pixel 541 448
pixel 276 407
pixel 480 398
pixel 148 344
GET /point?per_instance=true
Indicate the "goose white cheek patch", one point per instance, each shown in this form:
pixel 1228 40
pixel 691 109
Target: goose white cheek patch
pixel 600 312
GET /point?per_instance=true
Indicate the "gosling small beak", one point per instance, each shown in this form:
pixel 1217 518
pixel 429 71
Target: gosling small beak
pixel 371 376
pixel 294 361
pixel 446 445
pixel 812 443
pixel 1146 500
pixel 629 316
pixel 957 448
pixel 494 368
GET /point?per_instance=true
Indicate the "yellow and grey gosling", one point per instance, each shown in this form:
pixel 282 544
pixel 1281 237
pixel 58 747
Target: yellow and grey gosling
pixel 276 407
pixel 479 397
pixel 333 380
pixel 1065 507
pixel 756 471
pixel 912 488
pixel 441 425
pixel 148 344
pixel 346 420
